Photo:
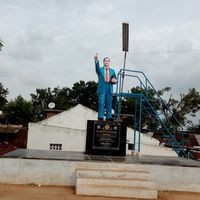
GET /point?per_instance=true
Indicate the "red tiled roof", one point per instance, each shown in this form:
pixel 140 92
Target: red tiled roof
pixel 6 147
pixel 10 128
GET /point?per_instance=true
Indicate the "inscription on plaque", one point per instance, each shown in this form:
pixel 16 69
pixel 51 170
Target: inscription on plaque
pixel 106 136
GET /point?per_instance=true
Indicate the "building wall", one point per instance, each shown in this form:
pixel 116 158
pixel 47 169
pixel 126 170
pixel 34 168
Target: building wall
pixel 69 129
pixel 13 139
pixel 197 136
pixel 40 136
pixel 156 150
pixel 148 145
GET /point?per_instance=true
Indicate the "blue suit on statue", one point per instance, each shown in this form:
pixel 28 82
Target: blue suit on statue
pixel 104 91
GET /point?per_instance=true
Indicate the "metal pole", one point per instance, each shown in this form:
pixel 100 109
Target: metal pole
pixel 135 118
pixel 146 89
pixel 119 105
pixel 123 70
pixel 140 122
pixel 119 97
pixel 125 46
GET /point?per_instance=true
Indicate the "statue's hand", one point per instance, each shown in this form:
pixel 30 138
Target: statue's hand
pixel 113 80
pixel 96 56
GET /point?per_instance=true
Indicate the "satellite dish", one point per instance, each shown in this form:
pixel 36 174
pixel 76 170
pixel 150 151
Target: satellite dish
pixel 51 105
pixel 1 112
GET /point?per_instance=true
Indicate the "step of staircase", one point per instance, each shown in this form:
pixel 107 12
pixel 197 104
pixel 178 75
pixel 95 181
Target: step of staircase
pixel 137 174
pixel 116 191
pixel 115 183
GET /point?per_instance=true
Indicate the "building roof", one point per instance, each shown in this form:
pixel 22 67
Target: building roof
pixel 76 118
pixel 9 128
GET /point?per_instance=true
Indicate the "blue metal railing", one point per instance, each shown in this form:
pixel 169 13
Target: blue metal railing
pixel 145 86
pixel 166 123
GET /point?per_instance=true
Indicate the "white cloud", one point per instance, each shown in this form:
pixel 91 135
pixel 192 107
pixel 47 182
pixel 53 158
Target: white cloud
pixel 52 42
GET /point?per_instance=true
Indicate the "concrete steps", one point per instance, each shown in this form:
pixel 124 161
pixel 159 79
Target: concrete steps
pixel 115 183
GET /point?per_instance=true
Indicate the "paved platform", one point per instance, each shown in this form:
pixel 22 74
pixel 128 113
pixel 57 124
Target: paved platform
pixel 80 156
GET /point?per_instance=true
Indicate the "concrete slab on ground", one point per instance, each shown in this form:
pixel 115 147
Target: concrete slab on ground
pixel 81 156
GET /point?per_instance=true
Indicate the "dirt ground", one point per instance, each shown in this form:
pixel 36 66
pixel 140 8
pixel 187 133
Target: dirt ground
pixel 33 192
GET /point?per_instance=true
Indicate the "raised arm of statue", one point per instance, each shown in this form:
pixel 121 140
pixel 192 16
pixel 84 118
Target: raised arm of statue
pixel 96 63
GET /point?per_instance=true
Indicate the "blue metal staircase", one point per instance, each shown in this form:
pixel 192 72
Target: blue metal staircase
pixel 156 108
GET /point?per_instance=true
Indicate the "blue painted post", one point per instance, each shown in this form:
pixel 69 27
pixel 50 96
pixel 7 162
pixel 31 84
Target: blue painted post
pixel 119 97
pixel 120 85
pixel 140 122
pixel 146 83
pixel 135 120
pixel 117 87
pixel 146 87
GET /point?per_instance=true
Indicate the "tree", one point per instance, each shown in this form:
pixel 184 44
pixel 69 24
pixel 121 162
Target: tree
pixel 65 98
pixel 62 98
pixel 85 94
pixel 128 107
pixel 190 103
pixel 3 96
pixel 195 128
pixel 19 111
pixel 40 101
pixel 1 44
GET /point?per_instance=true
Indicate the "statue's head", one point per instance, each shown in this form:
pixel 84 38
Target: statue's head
pixel 106 61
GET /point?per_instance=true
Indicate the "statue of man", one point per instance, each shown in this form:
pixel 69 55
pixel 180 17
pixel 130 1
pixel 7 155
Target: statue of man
pixel 106 79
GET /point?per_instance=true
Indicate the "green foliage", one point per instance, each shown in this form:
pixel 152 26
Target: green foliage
pixel 3 96
pixel 195 128
pixel 65 98
pixel 85 94
pixel 128 107
pixel 40 101
pixel 162 91
pixel 62 98
pixel 19 111
pixel 1 44
pixel 190 103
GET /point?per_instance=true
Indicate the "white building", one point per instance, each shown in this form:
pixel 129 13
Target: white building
pixel 66 131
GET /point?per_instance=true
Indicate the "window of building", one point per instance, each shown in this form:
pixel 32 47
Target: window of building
pixel 55 147
pixel 130 146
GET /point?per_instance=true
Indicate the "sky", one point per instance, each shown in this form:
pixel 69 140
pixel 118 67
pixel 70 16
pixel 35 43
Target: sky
pixel 50 43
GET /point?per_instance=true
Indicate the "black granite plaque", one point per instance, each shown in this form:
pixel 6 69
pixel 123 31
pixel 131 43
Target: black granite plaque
pixel 106 138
